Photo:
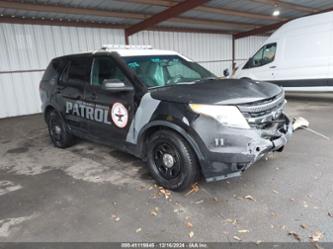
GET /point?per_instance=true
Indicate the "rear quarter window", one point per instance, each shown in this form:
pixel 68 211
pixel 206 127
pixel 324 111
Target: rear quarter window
pixel 54 69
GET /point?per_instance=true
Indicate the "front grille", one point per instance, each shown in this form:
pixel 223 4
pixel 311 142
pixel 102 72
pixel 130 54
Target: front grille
pixel 262 106
pixel 262 113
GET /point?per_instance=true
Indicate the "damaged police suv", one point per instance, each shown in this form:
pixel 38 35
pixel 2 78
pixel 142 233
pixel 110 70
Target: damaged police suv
pixel 166 109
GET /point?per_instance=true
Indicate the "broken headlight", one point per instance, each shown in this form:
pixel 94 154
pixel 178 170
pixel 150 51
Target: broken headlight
pixel 226 115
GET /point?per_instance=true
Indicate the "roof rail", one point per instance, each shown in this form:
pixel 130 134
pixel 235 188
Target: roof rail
pixel 112 46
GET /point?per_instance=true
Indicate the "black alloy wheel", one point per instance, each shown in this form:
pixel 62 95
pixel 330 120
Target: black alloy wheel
pixel 167 160
pixel 58 132
pixel 171 160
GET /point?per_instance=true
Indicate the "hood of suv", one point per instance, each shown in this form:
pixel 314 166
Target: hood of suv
pixel 217 91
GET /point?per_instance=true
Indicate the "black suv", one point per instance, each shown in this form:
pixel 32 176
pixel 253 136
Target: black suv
pixel 166 109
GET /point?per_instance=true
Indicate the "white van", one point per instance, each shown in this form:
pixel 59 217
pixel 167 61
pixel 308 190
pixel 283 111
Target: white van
pixel 298 56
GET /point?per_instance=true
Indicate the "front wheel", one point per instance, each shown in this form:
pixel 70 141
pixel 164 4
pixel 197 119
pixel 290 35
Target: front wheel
pixel 171 160
pixel 58 132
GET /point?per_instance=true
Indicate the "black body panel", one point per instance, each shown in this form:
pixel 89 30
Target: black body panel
pixel 227 91
pixel 240 149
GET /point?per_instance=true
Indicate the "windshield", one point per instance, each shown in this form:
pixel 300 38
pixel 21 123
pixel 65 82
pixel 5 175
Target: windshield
pixel 159 71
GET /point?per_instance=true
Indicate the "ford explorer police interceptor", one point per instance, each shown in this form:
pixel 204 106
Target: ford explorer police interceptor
pixel 166 109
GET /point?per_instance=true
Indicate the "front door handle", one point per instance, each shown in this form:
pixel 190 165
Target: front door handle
pixel 272 67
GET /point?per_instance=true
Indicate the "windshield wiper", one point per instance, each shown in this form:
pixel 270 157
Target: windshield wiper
pixel 209 78
pixel 184 82
pixel 206 78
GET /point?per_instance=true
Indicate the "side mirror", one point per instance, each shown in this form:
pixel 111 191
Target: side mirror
pixel 115 85
pixel 226 72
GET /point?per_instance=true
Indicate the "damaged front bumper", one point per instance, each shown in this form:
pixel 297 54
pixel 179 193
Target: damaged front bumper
pixel 230 151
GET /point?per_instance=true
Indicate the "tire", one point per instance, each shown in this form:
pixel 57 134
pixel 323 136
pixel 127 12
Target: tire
pixel 171 160
pixel 58 131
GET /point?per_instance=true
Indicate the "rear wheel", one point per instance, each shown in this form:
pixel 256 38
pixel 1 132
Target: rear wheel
pixel 171 160
pixel 58 131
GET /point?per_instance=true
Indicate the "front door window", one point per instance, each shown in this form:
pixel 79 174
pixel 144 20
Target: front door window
pixel 104 68
pixel 264 56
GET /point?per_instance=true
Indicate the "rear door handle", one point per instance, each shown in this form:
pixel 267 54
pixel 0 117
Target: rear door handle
pixel 59 89
pixel 93 96
pixel 272 67
pixel 76 97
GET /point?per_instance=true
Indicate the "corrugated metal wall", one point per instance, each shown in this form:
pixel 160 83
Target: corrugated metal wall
pixel 25 51
pixel 246 47
pixel 26 48
pixel 213 51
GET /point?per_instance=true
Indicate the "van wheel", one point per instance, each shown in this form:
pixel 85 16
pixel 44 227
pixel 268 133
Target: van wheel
pixel 171 160
pixel 58 131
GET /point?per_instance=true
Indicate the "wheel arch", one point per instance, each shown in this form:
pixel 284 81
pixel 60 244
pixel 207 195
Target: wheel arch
pixel 50 108
pixel 158 125
pixel 47 110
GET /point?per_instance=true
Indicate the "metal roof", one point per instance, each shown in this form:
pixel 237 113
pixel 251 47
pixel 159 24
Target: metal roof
pixel 214 16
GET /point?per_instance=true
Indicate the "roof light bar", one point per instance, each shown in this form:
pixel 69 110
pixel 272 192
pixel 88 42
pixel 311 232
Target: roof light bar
pixel 113 46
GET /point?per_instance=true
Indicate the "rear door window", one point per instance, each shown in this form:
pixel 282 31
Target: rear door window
pixel 78 70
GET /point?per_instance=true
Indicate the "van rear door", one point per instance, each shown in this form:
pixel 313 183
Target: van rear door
pixel 304 57
pixel 330 60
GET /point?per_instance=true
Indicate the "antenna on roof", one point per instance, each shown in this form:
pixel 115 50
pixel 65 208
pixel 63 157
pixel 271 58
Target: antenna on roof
pixel 113 46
